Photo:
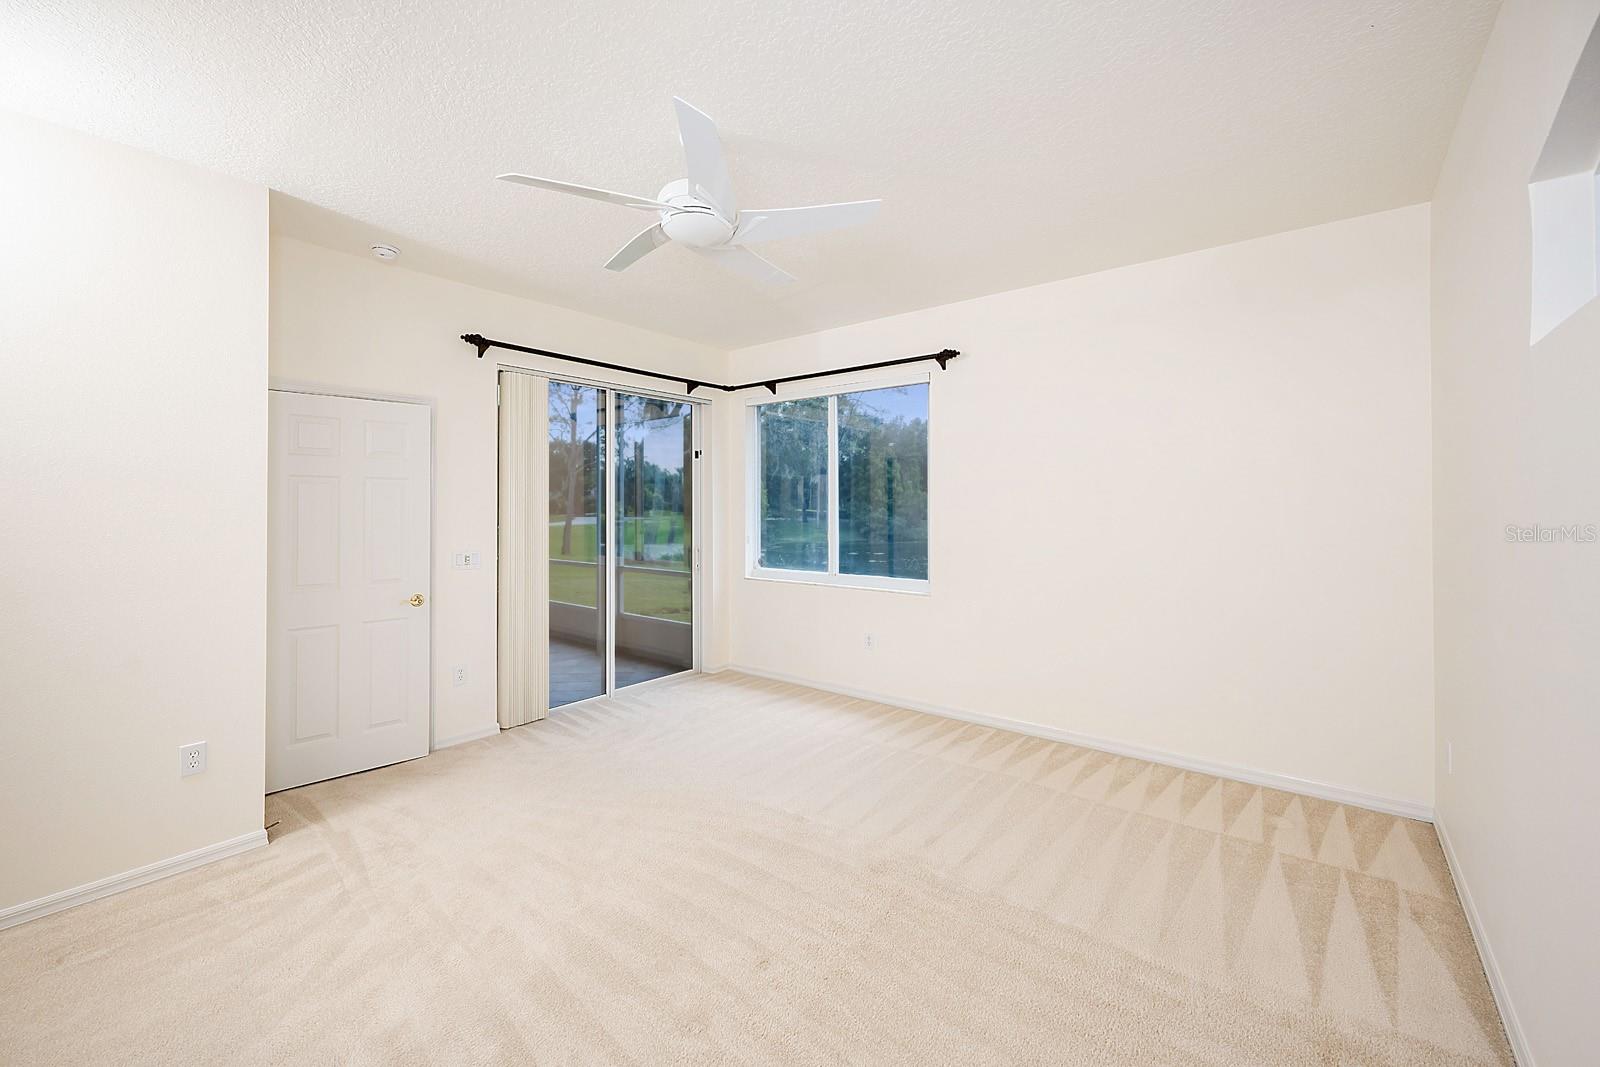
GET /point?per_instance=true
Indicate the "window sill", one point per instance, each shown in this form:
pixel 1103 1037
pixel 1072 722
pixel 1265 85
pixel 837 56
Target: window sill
pixel 907 586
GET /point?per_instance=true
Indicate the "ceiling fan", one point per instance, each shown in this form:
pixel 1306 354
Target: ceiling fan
pixel 700 211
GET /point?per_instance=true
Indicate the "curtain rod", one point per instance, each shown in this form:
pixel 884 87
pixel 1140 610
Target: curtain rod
pixel 483 344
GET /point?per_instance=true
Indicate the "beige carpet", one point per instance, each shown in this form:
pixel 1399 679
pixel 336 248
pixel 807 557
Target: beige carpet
pixel 729 870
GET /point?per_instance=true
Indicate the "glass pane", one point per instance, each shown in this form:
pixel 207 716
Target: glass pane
pixel 577 543
pixel 793 442
pixel 655 490
pixel 883 482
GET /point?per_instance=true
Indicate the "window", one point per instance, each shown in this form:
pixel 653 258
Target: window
pixel 1564 203
pixel 794 485
pixel 840 488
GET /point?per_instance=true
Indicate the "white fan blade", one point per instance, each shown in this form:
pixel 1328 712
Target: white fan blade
pixel 745 262
pixel 702 151
pixel 592 193
pixel 777 223
pixel 637 248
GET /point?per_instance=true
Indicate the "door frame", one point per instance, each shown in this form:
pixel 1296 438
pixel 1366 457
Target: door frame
pixel 290 385
pixel 700 498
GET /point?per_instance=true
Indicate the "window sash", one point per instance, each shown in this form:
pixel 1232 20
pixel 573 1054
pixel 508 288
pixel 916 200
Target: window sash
pixel 764 512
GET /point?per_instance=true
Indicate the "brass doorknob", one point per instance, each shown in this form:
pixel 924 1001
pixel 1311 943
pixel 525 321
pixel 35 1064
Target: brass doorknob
pixel 416 600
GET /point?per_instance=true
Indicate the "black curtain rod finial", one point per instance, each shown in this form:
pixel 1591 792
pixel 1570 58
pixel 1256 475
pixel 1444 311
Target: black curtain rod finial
pixel 477 340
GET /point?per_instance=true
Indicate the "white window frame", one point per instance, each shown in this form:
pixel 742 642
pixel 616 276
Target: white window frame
pixel 752 495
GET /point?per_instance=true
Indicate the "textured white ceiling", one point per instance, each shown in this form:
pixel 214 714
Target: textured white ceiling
pixel 1012 142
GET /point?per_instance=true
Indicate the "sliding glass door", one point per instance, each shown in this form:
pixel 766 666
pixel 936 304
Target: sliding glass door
pixel 653 611
pixel 578 581
pixel 622 551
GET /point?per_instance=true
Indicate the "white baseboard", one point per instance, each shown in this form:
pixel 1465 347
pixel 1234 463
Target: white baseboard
pixel 1408 809
pixel 1491 968
pixel 116 883
pixel 470 735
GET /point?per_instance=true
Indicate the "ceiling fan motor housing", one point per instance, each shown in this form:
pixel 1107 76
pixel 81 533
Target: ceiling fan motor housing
pixel 695 223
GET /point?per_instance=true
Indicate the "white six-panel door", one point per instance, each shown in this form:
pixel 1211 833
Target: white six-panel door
pixel 349 514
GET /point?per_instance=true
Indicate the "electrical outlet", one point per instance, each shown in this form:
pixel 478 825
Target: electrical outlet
pixel 871 642
pixel 191 759
pixel 458 676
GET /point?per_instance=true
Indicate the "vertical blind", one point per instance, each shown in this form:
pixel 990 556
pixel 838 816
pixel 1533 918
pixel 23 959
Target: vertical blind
pixel 524 548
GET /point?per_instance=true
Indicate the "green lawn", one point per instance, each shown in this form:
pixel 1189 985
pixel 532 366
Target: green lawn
pixel 663 595
pixel 651 530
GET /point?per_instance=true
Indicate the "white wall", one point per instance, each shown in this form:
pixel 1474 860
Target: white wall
pixel 1518 623
pixel 1182 506
pixel 349 322
pixel 133 352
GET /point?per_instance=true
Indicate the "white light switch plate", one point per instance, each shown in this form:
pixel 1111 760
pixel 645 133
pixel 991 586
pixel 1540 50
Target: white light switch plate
pixel 467 561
